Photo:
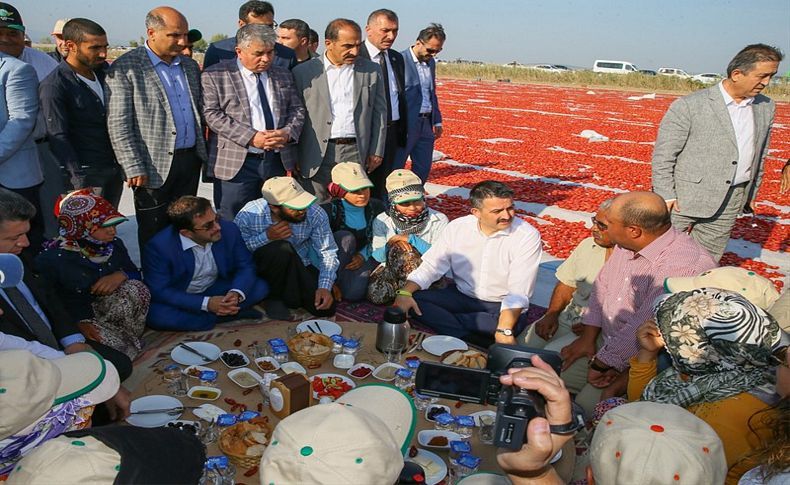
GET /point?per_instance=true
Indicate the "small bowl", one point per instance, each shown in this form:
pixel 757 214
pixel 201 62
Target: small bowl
pixel 195 390
pixel 384 366
pixel 237 352
pixel 424 437
pixel 361 365
pixel 291 367
pixel 428 409
pixel 235 376
pixel 199 368
pixel 270 360
pixel 343 361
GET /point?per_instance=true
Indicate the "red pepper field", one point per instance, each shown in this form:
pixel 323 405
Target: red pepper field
pixel 529 136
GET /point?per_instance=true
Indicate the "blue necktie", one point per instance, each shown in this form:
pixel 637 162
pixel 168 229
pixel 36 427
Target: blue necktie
pixel 267 110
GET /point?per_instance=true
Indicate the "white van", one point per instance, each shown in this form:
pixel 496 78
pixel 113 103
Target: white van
pixel 673 71
pixel 614 67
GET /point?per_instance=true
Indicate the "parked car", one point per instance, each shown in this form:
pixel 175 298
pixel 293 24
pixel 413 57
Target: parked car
pixel 673 71
pixel 647 72
pixel 708 77
pixel 556 68
pixel 614 67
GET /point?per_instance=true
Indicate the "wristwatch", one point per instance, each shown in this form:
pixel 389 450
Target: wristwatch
pixel 577 423
pixel 507 332
pixel 594 365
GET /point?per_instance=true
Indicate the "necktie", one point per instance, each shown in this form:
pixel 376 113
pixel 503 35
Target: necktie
pixel 267 110
pixel 385 73
pixel 33 320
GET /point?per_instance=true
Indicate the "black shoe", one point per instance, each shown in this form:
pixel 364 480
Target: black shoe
pixel 276 309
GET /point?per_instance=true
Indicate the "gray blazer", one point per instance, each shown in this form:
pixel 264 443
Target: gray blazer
pixel 370 112
pixel 226 109
pixel 696 153
pixel 19 167
pixel 139 118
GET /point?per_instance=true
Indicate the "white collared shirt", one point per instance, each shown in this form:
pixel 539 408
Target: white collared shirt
pixel 501 267
pixel 375 54
pixel 205 267
pixel 426 82
pixel 341 98
pixel 250 80
pixel 742 117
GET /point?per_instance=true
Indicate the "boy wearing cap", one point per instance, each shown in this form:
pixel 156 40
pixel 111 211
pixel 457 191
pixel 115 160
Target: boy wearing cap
pixel 292 246
pixel 351 214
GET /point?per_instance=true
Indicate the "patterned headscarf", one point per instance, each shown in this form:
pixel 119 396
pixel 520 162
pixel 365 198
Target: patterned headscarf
pixel 79 214
pixel 720 345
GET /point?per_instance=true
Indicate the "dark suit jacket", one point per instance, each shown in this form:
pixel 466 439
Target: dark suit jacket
pixel 226 109
pixel 413 92
pixel 396 61
pixel 226 49
pixel 168 269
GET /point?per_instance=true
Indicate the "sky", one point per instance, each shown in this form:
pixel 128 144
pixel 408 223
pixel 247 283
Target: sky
pixel 694 35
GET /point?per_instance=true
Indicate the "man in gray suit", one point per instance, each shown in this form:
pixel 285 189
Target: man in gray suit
pixel 346 109
pixel 255 116
pixel 153 118
pixel 708 157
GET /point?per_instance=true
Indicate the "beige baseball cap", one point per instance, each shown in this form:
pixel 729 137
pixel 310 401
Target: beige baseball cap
pixel 83 460
pixel 404 186
pixel 287 192
pixel 351 176
pixel 58 28
pixel 758 290
pixel 359 439
pixel 30 385
pixel 655 444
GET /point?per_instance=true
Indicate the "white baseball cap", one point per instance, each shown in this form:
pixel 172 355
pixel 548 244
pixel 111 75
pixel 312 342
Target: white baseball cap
pixel 287 192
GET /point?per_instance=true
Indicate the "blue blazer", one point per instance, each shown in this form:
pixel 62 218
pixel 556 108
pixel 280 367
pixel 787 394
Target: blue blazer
pixel 413 93
pixel 168 269
pixel 19 167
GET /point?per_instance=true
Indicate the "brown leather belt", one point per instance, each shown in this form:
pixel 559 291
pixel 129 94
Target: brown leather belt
pixel 425 115
pixel 343 141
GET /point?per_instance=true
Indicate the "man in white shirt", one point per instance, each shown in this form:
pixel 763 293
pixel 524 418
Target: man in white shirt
pixel 346 109
pixel 255 117
pixel 493 258
pixel 708 157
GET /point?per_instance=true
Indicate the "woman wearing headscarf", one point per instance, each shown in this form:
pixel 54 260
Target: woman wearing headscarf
pixel 721 347
pixel 351 214
pixel 401 235
pixel 90 267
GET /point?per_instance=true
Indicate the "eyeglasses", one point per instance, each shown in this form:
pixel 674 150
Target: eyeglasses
pixel 432 52
pixel 208 226
pixel 600 225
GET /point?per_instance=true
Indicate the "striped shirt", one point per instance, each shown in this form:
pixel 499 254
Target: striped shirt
pixel 629 283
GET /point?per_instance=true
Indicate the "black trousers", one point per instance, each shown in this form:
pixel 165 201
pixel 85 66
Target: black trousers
pixel 231 195
pixel 120 360
pixel 109 178
pixel 379 176
pixel 150 205
pixel 289 279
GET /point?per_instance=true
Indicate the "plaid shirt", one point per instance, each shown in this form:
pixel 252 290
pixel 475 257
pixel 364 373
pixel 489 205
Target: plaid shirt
pixel 312 238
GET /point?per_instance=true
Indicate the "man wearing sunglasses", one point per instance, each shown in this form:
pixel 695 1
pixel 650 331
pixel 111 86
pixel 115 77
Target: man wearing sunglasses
pixel 199 271
pixel 424 120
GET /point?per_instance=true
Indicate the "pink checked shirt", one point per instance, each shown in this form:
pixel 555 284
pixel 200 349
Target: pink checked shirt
pixel 629 283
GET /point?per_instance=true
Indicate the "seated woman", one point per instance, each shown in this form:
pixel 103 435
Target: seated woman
pixel 97 281
pixel 351 213
pixel 401 235
pixel 721 347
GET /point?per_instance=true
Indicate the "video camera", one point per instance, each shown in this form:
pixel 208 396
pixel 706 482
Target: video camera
pixel 515 406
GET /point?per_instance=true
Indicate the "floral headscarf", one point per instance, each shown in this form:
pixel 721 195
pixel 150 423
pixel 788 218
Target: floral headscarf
pixel 79 214
pixel 720 345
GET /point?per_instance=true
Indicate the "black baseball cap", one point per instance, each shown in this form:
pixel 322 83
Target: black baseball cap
pixel 10 18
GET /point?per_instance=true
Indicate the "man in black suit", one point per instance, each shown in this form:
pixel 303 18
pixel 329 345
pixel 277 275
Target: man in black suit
pixel 252 12
pixel 382 30
pixel 33 310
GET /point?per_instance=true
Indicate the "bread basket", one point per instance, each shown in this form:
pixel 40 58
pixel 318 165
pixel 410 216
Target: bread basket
pixel 242 460
pixel 310 349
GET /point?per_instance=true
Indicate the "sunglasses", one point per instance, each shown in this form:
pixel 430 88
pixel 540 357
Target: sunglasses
pixel 600 225
pixel 208 226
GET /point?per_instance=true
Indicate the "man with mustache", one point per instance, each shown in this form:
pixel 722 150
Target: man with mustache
pixel 493 257
pixel 255 117
pixel 708 157
pixel 346 109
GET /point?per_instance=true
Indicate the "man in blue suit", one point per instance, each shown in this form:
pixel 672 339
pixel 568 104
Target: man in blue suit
pixel 422 107
pixel 199 271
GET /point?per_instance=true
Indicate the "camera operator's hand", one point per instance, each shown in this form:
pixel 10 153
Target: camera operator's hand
pixel 530 464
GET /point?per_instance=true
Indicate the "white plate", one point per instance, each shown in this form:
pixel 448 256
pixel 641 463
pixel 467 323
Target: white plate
pixel 153 402
pixel 291 367
pixel 185 357
pixel 425 456
pixel 270 360
pixel 326 327
pixel 425 436
pixel 192 390
pixel 384 366
pixel 208 412
pixel 439 344
pixel 237 352
pixel 477 415
pixel 343 361
pixel 359 366
pixel 235 373
pixel 198 367
pixel 446 409
pixel 321 376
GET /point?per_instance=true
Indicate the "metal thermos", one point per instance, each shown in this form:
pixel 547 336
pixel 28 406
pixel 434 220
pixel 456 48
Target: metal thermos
pixel 393 330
